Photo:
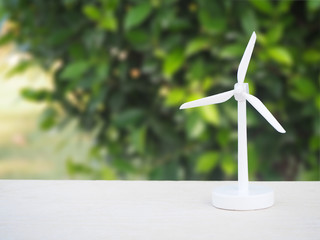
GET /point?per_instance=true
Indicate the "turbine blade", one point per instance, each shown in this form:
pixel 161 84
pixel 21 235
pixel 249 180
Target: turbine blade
pixel 218 98
pixel 243 66
pixel 261 108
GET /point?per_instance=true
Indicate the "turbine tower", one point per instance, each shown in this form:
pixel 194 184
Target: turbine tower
pixel 242 196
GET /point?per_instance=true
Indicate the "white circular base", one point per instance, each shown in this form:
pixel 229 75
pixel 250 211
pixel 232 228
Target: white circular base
pixel 229 197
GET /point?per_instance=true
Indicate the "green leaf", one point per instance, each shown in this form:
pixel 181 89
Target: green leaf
pixel 207 162
pixel 138 139
pixel 223 137
pixel 252 119
pixel 108 173
pixel 123 165
pixel 137 37
pixel 175 97
pixel 249 22
pixel 195 125
pixel 212 24
pixel 232 51
pixel 314 143
pixel 75 69
pixel 20 68
pixel 6 38
pixel 74 168
pixel 128 118
pixel 264 6
pixel 102 71
pixel 280 55
pixel 164 18
pixel 137 15
pixel 317 102
pixel 313 5
pixel 173 62
pixel 171 42
pixel 283 7
pixel 92 12
pixel 210 114
pixel 109 21
pixel 197 70
pixel 253 161
pixel 229 165
pixel 110 4
pixel 48 119
pixel 196 45
pixel 159 53
pixel 36 95
pixel 59 36
pixel 275 34
pixel 304 87
pixel 311 55
pixel 193 96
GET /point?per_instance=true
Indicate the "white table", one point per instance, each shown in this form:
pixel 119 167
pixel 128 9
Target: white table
pixel 34 209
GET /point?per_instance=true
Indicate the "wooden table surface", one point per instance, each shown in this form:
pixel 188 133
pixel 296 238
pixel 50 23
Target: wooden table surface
pixel 36 209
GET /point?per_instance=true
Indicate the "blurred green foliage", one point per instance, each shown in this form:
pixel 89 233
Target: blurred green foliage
pixel 129 65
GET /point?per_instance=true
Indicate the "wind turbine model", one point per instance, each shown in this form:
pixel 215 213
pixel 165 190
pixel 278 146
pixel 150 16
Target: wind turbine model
pixel 243 196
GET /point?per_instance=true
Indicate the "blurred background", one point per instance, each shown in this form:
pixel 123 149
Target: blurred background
pixel 92 89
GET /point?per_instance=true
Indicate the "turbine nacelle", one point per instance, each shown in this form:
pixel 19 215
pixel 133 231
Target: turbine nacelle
pixel 239 91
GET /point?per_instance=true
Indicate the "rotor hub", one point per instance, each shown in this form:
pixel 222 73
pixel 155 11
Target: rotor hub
pixel 239 90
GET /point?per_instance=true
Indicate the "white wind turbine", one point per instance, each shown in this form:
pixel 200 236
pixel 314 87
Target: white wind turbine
pixel 243 196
